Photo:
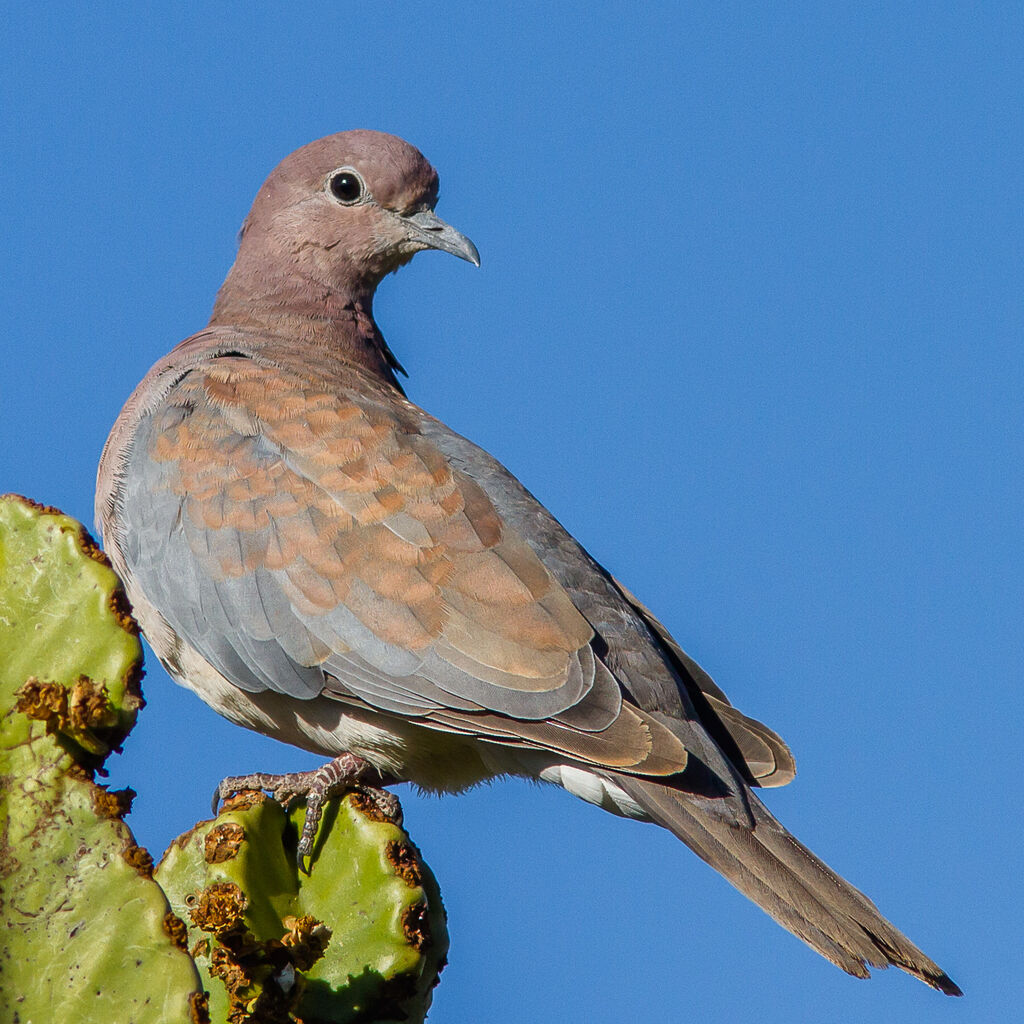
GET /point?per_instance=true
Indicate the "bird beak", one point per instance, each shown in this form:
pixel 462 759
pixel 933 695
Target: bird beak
pixel 430 231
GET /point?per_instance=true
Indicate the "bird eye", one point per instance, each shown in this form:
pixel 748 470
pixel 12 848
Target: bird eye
pixel 346 186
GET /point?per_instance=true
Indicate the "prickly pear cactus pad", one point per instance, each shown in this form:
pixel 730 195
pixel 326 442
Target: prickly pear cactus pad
pixel 85 934
pixel 64 619
pixel 362 937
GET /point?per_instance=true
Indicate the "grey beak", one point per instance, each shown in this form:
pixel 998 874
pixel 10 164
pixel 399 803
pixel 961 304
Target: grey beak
pixel 434 233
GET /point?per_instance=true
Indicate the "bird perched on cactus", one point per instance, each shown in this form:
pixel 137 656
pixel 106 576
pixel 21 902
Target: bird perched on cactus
pixel 324 562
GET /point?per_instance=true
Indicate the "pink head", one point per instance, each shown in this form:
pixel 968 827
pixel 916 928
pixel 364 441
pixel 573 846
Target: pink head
pixel 334 218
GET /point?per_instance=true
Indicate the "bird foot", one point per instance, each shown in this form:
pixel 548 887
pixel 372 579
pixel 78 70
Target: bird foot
pixel 346 772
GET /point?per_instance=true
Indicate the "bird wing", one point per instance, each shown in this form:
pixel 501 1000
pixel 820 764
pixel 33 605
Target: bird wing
pixel 762 751
pixel 656 673
pixel 310 539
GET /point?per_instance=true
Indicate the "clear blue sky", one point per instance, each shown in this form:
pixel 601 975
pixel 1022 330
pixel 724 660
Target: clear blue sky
pixel 749 321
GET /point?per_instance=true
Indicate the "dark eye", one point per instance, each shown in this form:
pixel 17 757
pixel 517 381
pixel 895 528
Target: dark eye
pixel 346 186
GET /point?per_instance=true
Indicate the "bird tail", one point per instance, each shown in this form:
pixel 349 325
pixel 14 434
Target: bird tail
pixel 775 870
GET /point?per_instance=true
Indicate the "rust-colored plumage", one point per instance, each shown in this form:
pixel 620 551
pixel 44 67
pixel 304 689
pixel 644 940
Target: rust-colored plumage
pixel 321 560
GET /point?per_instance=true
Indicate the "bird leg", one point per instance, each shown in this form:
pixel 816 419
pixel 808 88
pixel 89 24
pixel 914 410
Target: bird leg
pixel 345 772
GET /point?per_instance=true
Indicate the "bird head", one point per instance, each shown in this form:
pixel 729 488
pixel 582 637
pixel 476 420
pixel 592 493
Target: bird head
pixel 348 209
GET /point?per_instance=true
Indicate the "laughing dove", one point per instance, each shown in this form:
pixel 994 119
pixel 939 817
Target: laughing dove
pixel 322 561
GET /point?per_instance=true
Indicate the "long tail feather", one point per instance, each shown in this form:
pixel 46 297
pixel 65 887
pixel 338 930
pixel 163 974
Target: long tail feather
pixel 771 867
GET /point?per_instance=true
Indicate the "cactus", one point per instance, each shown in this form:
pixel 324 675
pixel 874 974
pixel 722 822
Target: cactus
pixel 362 937
pixel 89 934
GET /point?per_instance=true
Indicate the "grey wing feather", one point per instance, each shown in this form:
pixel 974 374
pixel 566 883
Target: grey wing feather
pixel 227 622
pixel 768 759
pixel 636 654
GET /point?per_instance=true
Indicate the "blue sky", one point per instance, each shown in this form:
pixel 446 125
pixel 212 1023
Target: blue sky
pixel 748 321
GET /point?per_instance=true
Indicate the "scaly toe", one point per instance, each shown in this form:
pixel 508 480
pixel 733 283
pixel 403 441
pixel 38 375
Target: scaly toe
pixel 238 783
pixel 345 772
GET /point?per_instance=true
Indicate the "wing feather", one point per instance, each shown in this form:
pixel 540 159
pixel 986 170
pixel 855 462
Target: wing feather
pixel 322 546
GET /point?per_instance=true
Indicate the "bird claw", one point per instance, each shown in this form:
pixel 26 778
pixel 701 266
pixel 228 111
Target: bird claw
pixel 345 772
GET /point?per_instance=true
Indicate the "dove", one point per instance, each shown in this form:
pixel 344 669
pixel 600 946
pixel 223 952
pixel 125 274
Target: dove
pixel 324 562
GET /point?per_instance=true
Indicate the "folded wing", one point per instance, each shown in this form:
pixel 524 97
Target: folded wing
pixel 312 541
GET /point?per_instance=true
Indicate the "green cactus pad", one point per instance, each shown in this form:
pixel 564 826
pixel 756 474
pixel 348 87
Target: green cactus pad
pixel 64 618
pixel 87 935
pixel 362 937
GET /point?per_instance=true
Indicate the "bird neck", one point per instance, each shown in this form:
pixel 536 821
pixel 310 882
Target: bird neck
pixel 298 311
